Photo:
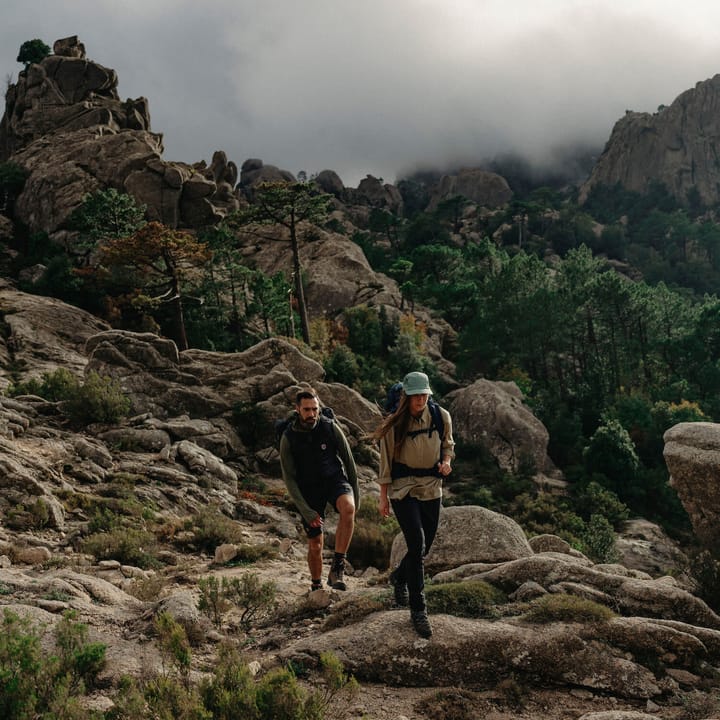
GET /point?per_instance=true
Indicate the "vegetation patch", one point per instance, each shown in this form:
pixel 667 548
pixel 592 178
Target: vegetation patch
pixel 127 545
pixel 36 683
pixel 474 598
pixel 567 608
pixel 353 610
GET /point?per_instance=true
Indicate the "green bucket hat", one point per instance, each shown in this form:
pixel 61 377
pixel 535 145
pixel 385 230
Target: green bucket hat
pixel 416 383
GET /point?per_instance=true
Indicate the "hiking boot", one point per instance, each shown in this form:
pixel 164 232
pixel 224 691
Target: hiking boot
pixel 400 590
pixel 421 623
pixel 336 577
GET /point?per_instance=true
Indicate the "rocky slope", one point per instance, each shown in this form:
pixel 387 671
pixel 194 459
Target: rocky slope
pixel 181 451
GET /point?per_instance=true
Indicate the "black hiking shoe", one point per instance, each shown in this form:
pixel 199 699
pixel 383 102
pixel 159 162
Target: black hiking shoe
pixel 400 590
pixel 421 623
pixel 336 577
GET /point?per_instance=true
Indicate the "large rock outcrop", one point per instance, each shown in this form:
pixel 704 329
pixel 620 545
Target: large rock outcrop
pixel 692 454
pixel 469 534
pixel 65 124
pixel 493 414
pixel 481 187
pixel 677 146
pixel 41 334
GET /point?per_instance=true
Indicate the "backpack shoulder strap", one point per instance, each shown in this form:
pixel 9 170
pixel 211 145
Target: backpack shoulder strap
pixel 437 418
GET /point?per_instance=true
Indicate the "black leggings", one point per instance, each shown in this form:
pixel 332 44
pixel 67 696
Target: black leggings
pixel 418 520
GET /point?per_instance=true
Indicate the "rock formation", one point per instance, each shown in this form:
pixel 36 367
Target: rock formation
pixel 493 414
pixel 677 146
pixel 65 124
pixel 692 454
pixel 481 187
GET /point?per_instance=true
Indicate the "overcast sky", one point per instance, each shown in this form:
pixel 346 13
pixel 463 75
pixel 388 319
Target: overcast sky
pixel 382 87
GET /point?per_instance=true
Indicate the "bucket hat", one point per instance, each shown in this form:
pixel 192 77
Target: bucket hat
pixel 416 383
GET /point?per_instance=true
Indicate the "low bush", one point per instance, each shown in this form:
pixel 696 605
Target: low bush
pixel 58 385
pixel 34 517
pixel 232 692
pixel 210 528
pixel 35 683
pixel 704 568
pixel 473 598
pixel 98 400
pixel 598 540
pixel 129 546
pixel 567 608
pixel 255 600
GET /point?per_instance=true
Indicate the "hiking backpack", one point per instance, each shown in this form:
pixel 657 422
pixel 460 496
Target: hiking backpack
pixel 392 400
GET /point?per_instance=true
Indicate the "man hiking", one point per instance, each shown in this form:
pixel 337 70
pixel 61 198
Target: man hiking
pixel 318 469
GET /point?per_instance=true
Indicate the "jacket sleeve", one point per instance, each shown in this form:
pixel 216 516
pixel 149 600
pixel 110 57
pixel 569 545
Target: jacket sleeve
pixel 289 474
pixel 348 462
pixel 387 451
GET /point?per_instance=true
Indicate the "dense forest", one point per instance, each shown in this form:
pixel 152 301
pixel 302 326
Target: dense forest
pixel 604 314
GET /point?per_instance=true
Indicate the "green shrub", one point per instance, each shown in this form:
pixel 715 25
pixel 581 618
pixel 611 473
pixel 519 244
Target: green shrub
pixel 256 600
pixel 211 528
pixel 127 545
pixel 173 643
pixel 212 602
pixel 60 384
pixel 80 660
pixel 473 598
pixel 98 400
pixel 546 513
pixel 34 683
pixel 253 425
pixel 704 568
pixel 232 693
pixel 567 608
pixel 598 540
pixel 34 517
pixel 342 366
pixel 595 499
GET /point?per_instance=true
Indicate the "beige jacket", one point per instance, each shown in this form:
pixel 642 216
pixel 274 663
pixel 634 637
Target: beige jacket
pixel 420 451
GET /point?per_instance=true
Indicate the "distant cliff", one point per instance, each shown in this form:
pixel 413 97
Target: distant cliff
pixel 679 145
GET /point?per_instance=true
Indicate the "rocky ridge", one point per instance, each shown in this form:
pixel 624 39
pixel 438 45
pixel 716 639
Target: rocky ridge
pixel 677 146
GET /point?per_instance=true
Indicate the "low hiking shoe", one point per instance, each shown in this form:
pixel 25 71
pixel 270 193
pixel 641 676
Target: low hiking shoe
pixel 400 590
pixel 336 577
pixel 421 623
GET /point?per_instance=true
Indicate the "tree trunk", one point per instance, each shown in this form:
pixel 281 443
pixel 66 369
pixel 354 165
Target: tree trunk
pixel 182 341
pixel 299 292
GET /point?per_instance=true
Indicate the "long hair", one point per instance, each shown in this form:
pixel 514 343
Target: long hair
pixel 398 422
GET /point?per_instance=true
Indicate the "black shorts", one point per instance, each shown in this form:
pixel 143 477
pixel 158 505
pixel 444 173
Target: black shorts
pixel 319 503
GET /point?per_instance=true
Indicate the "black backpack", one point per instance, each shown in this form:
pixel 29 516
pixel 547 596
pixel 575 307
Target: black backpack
pixel 392 400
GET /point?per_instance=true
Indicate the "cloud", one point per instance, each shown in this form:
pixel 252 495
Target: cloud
pixel 379 87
